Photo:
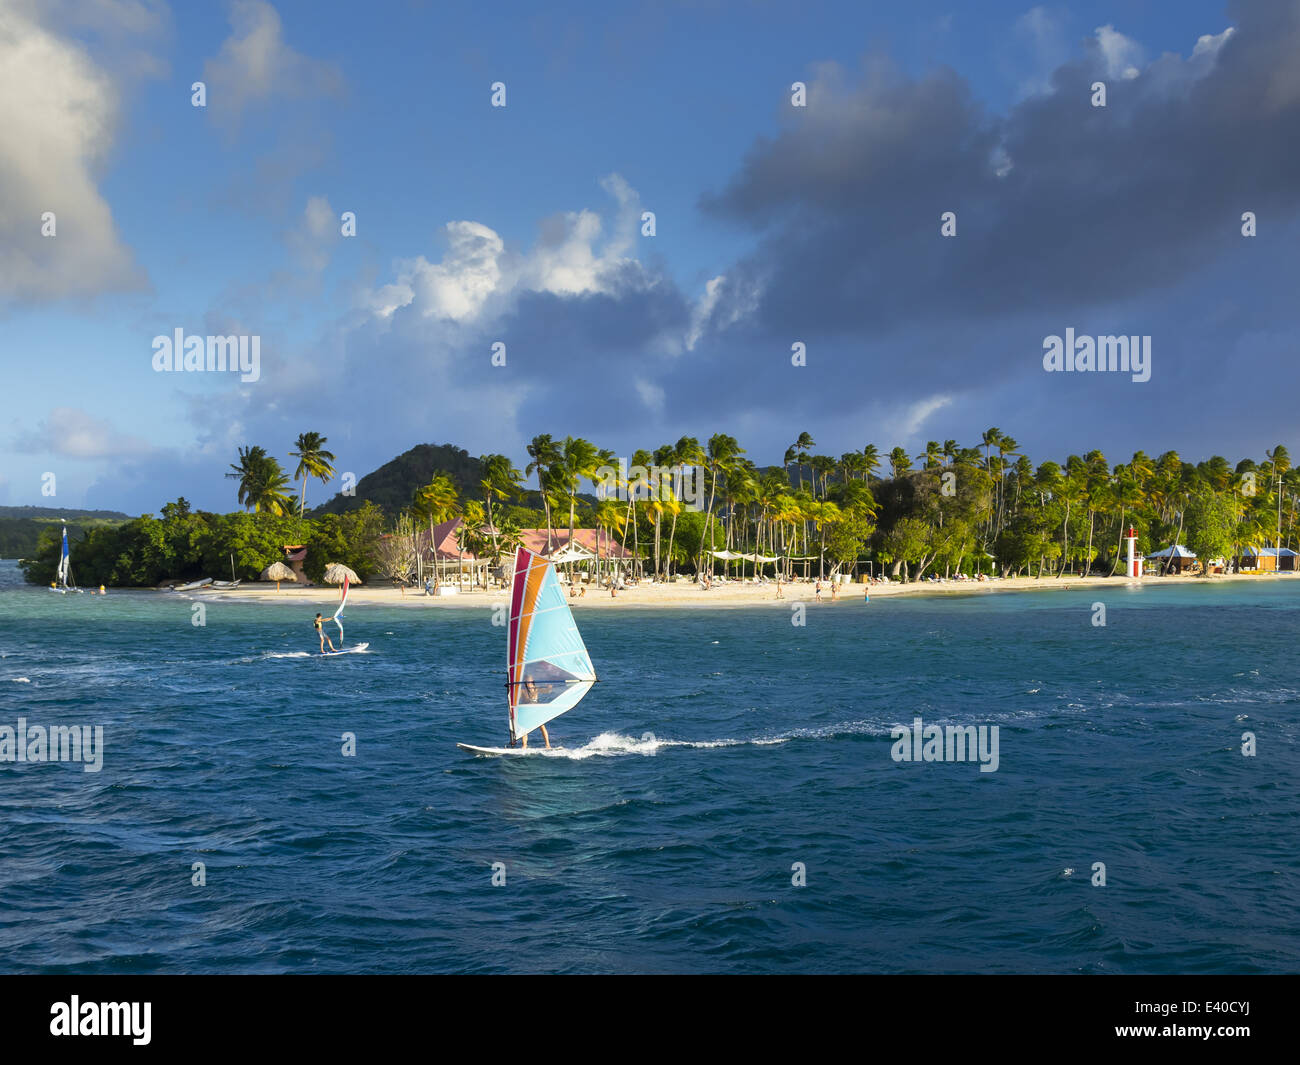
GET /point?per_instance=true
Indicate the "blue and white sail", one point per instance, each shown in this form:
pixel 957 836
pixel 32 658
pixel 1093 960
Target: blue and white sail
pixel 548 668
pixel 63 575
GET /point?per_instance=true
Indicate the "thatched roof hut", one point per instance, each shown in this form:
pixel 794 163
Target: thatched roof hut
pixel 278 571
pixel 336 572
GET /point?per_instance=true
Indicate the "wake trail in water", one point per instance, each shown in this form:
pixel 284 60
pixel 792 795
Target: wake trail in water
pixel 267 655
pixel 614 744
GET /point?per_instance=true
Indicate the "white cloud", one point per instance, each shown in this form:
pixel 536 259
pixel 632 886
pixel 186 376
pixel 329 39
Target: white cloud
pixel 1209 44
pixel 477 276
pixel 72 433
pixel 1042 34
pixel 703 310
pixel 454 288
pixel 58 110
pixel 313 240
pixel 255 64
pixel 1122 55
pixel 652 395
pixel 908 422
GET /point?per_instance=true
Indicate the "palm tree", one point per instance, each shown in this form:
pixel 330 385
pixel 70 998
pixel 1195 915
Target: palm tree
pixel 1280 461
pixel 579 461
pixel 822 465
pixel 851 464
pixel 313 461
pixel 933 454
pixel 723 451
pixel 263 485
pixel 800 449
pixel 611 518
pixel 469 537
pixel 436 502
pixel 686 452
pixel 990 440
pixel 899 464
pixel 500 481
pixel 546 456
pixel 871 459
pixel 644 460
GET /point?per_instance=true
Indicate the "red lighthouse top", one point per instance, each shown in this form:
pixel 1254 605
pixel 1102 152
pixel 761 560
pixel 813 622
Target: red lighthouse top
pixel 1131 532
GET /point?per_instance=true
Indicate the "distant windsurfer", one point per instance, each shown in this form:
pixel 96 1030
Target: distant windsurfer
pixel 529 695
pixel 324 636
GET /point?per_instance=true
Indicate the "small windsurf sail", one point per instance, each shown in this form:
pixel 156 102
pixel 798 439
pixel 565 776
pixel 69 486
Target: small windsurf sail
pixel 64 574
pixel 548 670
pixel 338 614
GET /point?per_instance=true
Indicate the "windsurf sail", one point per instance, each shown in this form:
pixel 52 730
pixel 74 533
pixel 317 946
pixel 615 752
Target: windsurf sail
pixel 338 614
pixel 548 670
pixel 65 563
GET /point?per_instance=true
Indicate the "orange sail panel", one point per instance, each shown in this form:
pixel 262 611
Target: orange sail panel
pixel 548 670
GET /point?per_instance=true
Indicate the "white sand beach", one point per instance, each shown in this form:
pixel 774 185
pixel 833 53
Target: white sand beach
pixel 689 594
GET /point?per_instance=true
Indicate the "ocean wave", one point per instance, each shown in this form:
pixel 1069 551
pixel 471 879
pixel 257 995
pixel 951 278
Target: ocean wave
pixel 21 680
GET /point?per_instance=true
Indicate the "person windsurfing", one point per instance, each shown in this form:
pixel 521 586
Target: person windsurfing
pixel 324 636
pixel 529 695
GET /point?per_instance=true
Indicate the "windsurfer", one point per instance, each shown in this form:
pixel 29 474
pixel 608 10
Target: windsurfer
pixel 324 636
pixel 528 694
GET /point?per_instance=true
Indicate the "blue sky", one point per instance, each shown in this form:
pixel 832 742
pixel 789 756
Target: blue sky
pixel 522 224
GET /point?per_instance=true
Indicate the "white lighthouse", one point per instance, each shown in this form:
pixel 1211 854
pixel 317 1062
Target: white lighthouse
pixel 1134 560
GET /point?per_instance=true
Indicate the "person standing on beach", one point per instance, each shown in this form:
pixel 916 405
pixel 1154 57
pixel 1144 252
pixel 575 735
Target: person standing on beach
pixel 779 594
pixel 818 590
pixel 324 636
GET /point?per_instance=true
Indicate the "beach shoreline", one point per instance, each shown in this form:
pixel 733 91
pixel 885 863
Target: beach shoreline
pixel 688 593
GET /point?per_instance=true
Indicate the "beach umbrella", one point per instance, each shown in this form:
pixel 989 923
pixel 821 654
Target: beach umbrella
pixel 278 571
pixel 336 573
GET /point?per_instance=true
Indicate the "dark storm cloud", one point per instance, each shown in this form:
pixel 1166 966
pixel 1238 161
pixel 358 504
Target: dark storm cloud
pixel 1099 204
pixel 1117 220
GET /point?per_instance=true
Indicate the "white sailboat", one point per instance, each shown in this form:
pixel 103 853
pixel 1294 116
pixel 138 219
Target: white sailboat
pixel 63 583
pixel 548 669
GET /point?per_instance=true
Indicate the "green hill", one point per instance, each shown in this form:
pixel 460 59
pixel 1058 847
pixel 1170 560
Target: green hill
pixel 21 527
pixel 392 487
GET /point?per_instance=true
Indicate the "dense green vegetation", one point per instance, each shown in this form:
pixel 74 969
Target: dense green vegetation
pixel 985 508
pixel 186 545
pixel 21 527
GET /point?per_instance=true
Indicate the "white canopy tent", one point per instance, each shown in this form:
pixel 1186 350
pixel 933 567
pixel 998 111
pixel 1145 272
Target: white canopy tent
pixel 571 553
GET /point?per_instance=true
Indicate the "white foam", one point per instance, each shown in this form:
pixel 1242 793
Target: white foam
pixel 271 654
pixel 614 744
pixel 20 680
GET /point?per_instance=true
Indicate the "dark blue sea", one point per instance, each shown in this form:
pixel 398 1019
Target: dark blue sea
pixel 721 747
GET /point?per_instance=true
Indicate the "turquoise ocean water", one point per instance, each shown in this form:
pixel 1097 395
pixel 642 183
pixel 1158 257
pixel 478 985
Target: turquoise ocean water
pixel 721 747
